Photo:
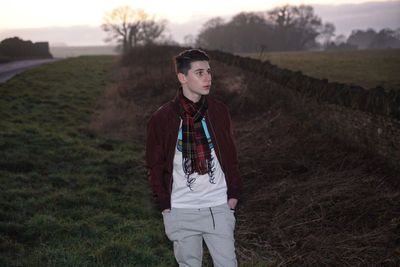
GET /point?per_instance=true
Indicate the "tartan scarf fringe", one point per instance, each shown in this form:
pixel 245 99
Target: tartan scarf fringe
pixel 196 151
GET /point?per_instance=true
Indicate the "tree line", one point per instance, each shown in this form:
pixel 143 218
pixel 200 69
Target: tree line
pixel 284 28
pixel 367 39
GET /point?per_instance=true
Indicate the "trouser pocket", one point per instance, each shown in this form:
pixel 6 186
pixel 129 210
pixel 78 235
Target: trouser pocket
pixel 170 224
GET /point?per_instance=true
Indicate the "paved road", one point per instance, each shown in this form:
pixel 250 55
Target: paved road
pixel 8 70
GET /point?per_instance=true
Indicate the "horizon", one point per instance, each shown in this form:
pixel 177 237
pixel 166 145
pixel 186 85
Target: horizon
pixel 90 33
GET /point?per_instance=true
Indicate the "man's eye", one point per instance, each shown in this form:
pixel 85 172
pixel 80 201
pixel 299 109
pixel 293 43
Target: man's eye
pixel 200 73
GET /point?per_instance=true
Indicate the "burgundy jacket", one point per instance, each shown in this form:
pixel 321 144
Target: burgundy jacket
pixel 162 135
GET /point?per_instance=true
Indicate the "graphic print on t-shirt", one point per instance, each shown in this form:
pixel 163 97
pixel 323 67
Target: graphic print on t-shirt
pixel 197 191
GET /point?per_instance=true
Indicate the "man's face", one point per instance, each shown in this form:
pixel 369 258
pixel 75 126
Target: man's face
pixel 198 80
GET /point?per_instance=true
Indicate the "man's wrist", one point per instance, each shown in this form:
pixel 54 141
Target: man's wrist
pixel 232 202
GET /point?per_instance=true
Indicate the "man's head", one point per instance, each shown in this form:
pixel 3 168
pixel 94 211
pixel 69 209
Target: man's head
pixel 184 59
pixel 194 73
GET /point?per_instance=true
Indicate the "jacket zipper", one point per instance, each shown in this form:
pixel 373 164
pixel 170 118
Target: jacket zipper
pixel 212 216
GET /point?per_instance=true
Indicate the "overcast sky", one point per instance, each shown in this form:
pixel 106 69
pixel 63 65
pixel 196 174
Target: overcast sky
pixel 76 22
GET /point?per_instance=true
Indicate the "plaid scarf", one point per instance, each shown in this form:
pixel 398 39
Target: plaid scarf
pixel 195 148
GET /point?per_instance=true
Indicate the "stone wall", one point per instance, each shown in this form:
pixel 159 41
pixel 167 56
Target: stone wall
pixel 376 100
pixel 368 119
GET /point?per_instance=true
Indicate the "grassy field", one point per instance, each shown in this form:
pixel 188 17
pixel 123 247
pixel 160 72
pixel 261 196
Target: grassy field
pixel 69 197
pixel 367 68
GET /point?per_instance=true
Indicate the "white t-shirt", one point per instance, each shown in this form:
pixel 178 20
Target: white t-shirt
pixel 201 193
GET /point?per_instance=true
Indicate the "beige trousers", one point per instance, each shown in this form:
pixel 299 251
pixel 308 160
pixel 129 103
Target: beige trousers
pixel 187 228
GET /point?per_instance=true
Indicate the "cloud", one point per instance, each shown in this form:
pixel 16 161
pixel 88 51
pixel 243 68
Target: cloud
pixel 346 17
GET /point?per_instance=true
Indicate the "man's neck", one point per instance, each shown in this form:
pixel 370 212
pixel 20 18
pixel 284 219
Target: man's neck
pixel 191 96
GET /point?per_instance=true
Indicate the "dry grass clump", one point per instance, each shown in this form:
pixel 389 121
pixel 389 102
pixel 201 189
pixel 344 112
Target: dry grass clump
pixel 309 201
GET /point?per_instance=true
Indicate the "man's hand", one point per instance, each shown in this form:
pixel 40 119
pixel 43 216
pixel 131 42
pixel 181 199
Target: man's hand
pixel 232 202
pixel 166 210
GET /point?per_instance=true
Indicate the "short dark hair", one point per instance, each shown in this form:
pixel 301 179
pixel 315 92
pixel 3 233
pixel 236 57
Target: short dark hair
pixel 183 60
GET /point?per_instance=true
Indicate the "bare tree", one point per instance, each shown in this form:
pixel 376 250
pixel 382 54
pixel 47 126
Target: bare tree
pixel 362 39
pixel 249 32
pixel 341 38
pixel 152 30
pixel 397 34
pixel 296 26
pixel 210 34
pixel 132 27
pixel 282 16
pixel 385 38
pixel 326 34
pixel 308 26
pixel 189 40
pixel 284 28
pixel 123 24
pixel 213 22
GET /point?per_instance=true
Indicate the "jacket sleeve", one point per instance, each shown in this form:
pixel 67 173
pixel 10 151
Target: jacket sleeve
pixel 155 163
pixel 235 188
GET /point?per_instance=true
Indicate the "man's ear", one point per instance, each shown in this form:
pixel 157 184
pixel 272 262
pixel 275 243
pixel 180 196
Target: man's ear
pixel 181 77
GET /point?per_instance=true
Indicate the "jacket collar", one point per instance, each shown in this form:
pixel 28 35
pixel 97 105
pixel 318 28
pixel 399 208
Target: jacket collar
pixel 175 102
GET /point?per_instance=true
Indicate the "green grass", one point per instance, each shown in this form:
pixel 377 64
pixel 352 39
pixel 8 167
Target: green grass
pixel 367 68
pixel 69 197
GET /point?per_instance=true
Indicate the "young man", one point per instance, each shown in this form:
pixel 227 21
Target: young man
pixel 193 167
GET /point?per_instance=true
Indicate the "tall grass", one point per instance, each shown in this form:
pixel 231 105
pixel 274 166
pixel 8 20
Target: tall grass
pixel 68 196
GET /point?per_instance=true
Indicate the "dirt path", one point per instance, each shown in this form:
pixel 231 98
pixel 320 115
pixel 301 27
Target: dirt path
pixel 9 70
